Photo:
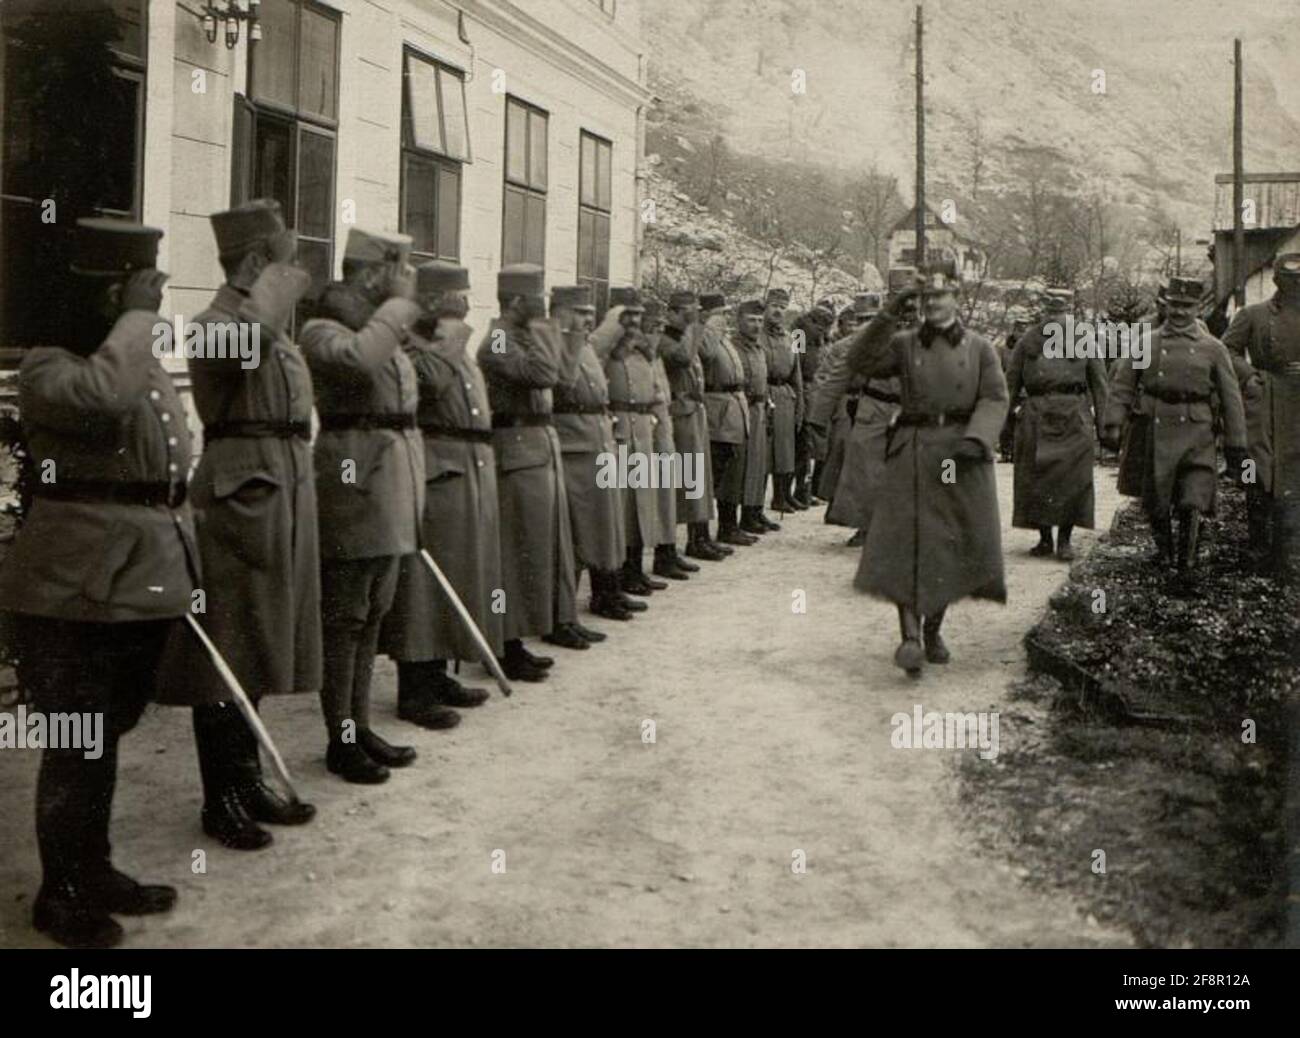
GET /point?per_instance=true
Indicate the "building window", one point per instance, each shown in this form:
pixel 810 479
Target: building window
pixel 435 145
pixel 72 119
pixel 595 157
pixel 524 216
pixel 285 129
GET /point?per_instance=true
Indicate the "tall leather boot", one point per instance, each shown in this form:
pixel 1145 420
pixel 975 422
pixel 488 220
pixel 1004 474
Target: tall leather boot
pixel 935 649
pixel 1162 532
pixel 910 655
pixel 418 694
pixel 665 564
pixel 780 493
pixel 1064 550
pixel 751 520
pixel 729 531
pixel 224 771
pixel 1189 536
pixel 1259 530
pixel 1044 547
pixel 792 492
pixel 261 802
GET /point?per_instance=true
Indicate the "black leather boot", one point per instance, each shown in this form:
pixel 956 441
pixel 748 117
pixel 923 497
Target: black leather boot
pixel 910 655
pixel 665 564
pixel 752 522
pixel 71 917
pixel 224 771
pixel 792 499
pixel 1044 548
pixel 566 638
pixel 605 600
pixel 417 695
pixel 1162 532
pixel 351 763
pixel 682 563
pixel 447 691
pixel 381 751
pixel 262 803
pixel 120 894
pixel 1189 535
pixel 1064 551
pixel 935 649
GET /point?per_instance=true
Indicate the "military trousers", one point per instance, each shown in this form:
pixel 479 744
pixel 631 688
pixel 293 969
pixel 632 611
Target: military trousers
pixel 104 673
pixel 356 594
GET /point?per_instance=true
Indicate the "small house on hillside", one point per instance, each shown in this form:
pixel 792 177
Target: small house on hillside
pixel 942 241
pixel 1272 226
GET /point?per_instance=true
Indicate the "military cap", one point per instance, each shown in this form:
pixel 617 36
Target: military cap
pixel 867 303
pixel 938 282
pixel 573 297
pixel 377 246
pixel 106 247
pixel 440 276
pixel 712 301
pixel 1184 290
pixel 1287 263
pixel 238 228
pixel 627 298
pixel 683 299
pixel 1058 299
pixel 751 306
pixel 521 279
pixel 777 296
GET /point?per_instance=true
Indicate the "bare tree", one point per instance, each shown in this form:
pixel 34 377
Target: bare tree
pixel 876 205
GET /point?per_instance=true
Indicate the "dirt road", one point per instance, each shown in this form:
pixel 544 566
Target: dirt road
pixel 771 737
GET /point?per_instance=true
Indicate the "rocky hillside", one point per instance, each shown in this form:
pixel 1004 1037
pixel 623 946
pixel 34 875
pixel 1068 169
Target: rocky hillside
pixel 1010 87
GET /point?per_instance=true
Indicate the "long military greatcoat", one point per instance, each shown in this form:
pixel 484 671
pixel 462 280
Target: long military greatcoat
pixel 725 405
pixel 1268 335
pixel 1054 446
pixel 110 417
pixel 785 382
pixel 538 572
pixel 936 537
pixel 369 481
pixel 255 498
pixel 680 351
pixel 757 460
pixel 631 398
pixel 586 432
pixel 461 525
pixel 666 448
pixel 1169 458
pixel 862 460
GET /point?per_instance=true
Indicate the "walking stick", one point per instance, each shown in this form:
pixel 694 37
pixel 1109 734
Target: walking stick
pixel 245 706
pixel 485 650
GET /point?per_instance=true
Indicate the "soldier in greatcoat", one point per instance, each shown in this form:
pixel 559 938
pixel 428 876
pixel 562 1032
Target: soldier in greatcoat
pixel 255 496
pixel 460 526
pixel 935 537
pixel 1163 415
pixel 1267 335
pixel 679 348
pixel 812 332
pixel 785 386
pixel 586 431
pixel 524 356
pixel 1065 403
pixel 630 373
pixel 749 324
pixel 102 569
pixel 728 416
pixel 369 460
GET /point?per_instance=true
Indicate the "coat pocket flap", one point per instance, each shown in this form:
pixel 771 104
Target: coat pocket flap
pixel 229 481
pixel 527 453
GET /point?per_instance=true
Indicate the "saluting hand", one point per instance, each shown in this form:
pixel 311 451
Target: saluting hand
pixel 143 290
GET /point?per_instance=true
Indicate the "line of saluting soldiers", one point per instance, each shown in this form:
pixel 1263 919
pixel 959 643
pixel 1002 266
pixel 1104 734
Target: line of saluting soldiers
pixel 299 556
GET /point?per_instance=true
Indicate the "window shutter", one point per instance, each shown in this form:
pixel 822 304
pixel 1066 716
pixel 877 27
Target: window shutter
pixel 241 151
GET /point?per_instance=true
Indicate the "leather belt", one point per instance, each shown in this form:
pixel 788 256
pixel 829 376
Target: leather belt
pixel 735 387
pixel 880 394
pixel 1074 387
pixel 108 491
pixel 756 398
pixel 781 381
pixel 1170 396
pixel 940 419
pixel 338 422
pixel 257 429
pixel 513 421
pixel 620 405
pixel 453 432
pixel 580 409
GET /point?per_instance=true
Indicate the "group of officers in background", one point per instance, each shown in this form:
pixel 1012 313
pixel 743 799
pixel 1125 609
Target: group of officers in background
pixel 296 542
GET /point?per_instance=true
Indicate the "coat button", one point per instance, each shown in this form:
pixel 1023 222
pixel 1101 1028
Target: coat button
pixel 164 417
pixel 171 441
pixel 473 410
pixel 480 464
pixel 154 395
pixel 171 466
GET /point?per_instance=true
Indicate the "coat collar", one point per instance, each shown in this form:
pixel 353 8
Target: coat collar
pixel 952 335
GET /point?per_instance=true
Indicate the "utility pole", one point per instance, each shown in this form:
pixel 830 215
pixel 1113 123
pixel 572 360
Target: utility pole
pixel 1238 184
pixel 920 143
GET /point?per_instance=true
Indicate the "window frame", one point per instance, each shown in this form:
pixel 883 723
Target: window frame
pixel 443 164
pixel 599 284
pixel 526 189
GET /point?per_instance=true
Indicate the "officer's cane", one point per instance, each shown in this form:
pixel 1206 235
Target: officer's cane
pixel 245 706
pixel 485 650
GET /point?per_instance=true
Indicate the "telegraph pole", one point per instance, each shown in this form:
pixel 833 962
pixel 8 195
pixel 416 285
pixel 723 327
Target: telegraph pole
pixel 1238 185
pixel 920 142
